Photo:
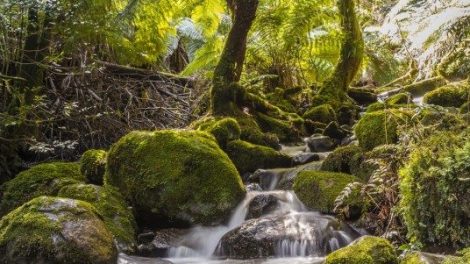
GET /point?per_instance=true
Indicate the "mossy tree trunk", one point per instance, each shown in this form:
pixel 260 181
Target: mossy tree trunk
pixel 352 51
pixel 229 68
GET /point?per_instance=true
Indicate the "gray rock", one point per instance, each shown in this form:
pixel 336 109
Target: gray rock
pixel 321 144
pixel 261 205
pixel 162 241
pixel 304 158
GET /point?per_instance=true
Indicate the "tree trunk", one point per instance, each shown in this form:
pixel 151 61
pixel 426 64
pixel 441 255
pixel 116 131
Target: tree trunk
pixel 35 50
pixel 230 66
pixel 352 51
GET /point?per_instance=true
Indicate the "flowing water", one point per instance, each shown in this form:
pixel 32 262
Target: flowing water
pixel 296 234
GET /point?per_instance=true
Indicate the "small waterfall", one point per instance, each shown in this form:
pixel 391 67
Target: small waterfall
pixel 191 246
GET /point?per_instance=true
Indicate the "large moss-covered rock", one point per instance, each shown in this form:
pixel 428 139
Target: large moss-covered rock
pixel 55 230
pixel 343 159
pixel 224 129
pixel 93 165
pixel 248 157
pixel 365 250
pixel 452 95
pixel 323 113
pixel 180 175
pixel 111 206
pixel 363 96
pixel 434 185
pixel 319 189
pixel 380 127
pixel 42 179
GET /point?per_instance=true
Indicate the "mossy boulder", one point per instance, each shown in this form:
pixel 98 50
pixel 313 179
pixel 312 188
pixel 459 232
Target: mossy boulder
pixel 319 189
pixel 416 257
pixel 251 132
pixel 93 165
pixel 323 113
pixel 343 159
pixel 249 157
pixel 55 230
pixel 42 179
pixel 399 99
pixel 434 185
pixel 380 127
pixel 286 131
pixel 224 129
pixel 111 206
pixel 365 250
pixel 179 175
pixel 440 118
pixel 452 95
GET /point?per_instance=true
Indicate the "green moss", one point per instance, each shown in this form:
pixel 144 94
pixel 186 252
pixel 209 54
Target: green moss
pixel 55 230
pixel 155 171
pixel 464 258
pixel 380 127
pixel 452 95
pixel 319 189
pixel 42 179
pixel 365 250
pixel 399 99
pixel 110 205
pixel 421 87
pixel 284 130
pixel 323 113
pixel 248 157
pixel 413 258
pixel 434 186
pixel 465 108
pixel 252 133
pixel 223 129
pixel 383 106
pixel 343 159
pixel 93 165
pixel 439 118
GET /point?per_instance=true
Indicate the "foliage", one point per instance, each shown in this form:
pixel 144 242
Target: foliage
pixel 452 95
pixel 434 189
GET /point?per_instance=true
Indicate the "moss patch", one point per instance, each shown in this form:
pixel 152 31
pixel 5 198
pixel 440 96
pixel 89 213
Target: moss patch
pixel 111 206
pixel 323 113
pixel 223 129
pixel 365 250
pixel 55 230
pixel 343 159
pixel 93 165
pixel 380 127
pixel 177 174
pixel 319 189
pixel 399 99
pixel 42 179
pixel 464 258
pixel 248 157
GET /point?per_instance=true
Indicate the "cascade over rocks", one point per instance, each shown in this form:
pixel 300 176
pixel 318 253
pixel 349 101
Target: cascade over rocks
pixel 155 170
pixel 272 236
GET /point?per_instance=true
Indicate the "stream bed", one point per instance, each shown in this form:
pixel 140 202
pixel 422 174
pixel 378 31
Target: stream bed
pixel 271 225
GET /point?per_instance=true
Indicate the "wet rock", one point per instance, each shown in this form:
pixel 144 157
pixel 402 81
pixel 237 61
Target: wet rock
pixel 163 240
pixel 253 187
pixel 333 130
pixel 363 96
pixel 146 237
pixel 304 158
pixel 261 205
pixel 321 143
pixel 299 234
pixel 125 259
